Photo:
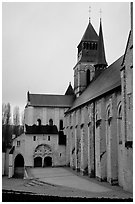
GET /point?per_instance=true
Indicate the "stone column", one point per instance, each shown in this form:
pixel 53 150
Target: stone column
pixel 76 166
pixel 82 149
pixel 89 165
pixel 11 168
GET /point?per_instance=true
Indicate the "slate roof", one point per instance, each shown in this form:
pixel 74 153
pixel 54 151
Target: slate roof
pixel 101 59
pixel 43 129
pixel 47 100
pixel 106 81
pixel 90 34
pixel 69 90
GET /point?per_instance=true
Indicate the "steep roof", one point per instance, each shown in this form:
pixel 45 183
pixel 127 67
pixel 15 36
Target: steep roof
pixel 101 59
pixel 106 81
pixel 47 100
pixel 90 33
pixel 69 90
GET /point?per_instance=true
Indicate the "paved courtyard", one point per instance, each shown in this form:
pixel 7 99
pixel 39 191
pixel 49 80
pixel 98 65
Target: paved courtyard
pixel 63 182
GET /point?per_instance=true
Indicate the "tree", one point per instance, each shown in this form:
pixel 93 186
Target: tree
pixel 6 126
pixel 16 120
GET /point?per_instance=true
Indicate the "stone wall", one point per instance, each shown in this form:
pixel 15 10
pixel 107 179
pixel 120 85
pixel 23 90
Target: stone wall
pixel 28 145
pixel 32 114
pixel 127 111
pixel 92 138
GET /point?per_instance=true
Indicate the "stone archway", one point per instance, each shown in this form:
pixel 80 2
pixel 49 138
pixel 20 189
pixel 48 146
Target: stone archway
pixel 37 162
pixel 19 166
pixel 47 161
pixel 43 156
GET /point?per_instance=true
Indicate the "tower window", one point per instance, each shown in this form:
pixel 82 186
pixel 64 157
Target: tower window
pixel 48 138
pixel 88 77
pixel 61 124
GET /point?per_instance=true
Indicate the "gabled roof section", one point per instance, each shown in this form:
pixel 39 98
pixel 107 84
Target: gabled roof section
pixel 123 61
pixel 106 81
pixel 90 33
pixel 46 100
pixel 101 59
pixel 69 90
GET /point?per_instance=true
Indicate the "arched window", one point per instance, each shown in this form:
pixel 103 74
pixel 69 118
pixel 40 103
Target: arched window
pixel 51 122
pixel 61 124
pixel 38 122
pixel 120 125
pixel 88 77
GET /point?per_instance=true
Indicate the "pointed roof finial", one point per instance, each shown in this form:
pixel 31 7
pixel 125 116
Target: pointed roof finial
pixel 89 13
pixel 100 14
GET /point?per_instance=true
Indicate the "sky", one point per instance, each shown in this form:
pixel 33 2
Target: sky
pixel 39 43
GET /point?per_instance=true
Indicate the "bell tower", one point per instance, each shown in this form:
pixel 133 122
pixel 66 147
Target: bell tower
pixel 84 70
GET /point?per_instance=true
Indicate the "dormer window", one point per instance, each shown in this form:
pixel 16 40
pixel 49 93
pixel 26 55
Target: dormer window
pixel 51 122
pixel 38 122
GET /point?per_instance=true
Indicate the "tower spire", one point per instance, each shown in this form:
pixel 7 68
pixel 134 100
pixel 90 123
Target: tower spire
pixel 101 51
pixel 100 13
pixel 89 13
pixel 101 58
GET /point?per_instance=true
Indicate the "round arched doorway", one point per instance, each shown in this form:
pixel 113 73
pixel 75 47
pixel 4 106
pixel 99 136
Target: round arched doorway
pixel 37 162
pixel 47 161
pixel 19 166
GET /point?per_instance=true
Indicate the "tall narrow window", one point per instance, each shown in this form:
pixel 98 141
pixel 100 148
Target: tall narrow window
pixel 88 77
pixel 61 124
pixel 120 125
pixel 34 138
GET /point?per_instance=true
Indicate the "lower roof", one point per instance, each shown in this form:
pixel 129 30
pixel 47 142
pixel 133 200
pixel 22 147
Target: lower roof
pixel 46 100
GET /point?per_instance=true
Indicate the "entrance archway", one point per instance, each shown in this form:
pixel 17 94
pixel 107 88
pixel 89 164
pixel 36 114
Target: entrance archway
pixel 47 161
pixel 19 166
pixel 38 162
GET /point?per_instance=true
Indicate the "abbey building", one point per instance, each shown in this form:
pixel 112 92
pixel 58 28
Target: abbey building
pixel 90 127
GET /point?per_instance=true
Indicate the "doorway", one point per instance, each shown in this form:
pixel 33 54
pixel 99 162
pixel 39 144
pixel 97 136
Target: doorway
pixel 47 161
pixel 19 166
pixel 38 162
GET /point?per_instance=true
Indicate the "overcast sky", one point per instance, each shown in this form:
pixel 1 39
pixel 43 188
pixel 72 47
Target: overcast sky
pixel 39 43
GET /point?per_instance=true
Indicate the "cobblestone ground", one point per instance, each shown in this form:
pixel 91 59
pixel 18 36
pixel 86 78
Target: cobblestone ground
pixel 36 186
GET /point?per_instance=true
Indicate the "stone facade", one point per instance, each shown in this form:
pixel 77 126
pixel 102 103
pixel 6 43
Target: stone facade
pixel 95 119
pixel 42 143
pixel 100 131
pixel 127 111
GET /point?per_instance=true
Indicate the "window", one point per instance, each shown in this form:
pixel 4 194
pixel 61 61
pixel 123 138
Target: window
pixel 60 154
pixel 18 143
pixel 48 138
pixel 38 122
pixel 88 77
pixel 61 124
pixel 120 125
pixel 51 122
pixel 34 138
